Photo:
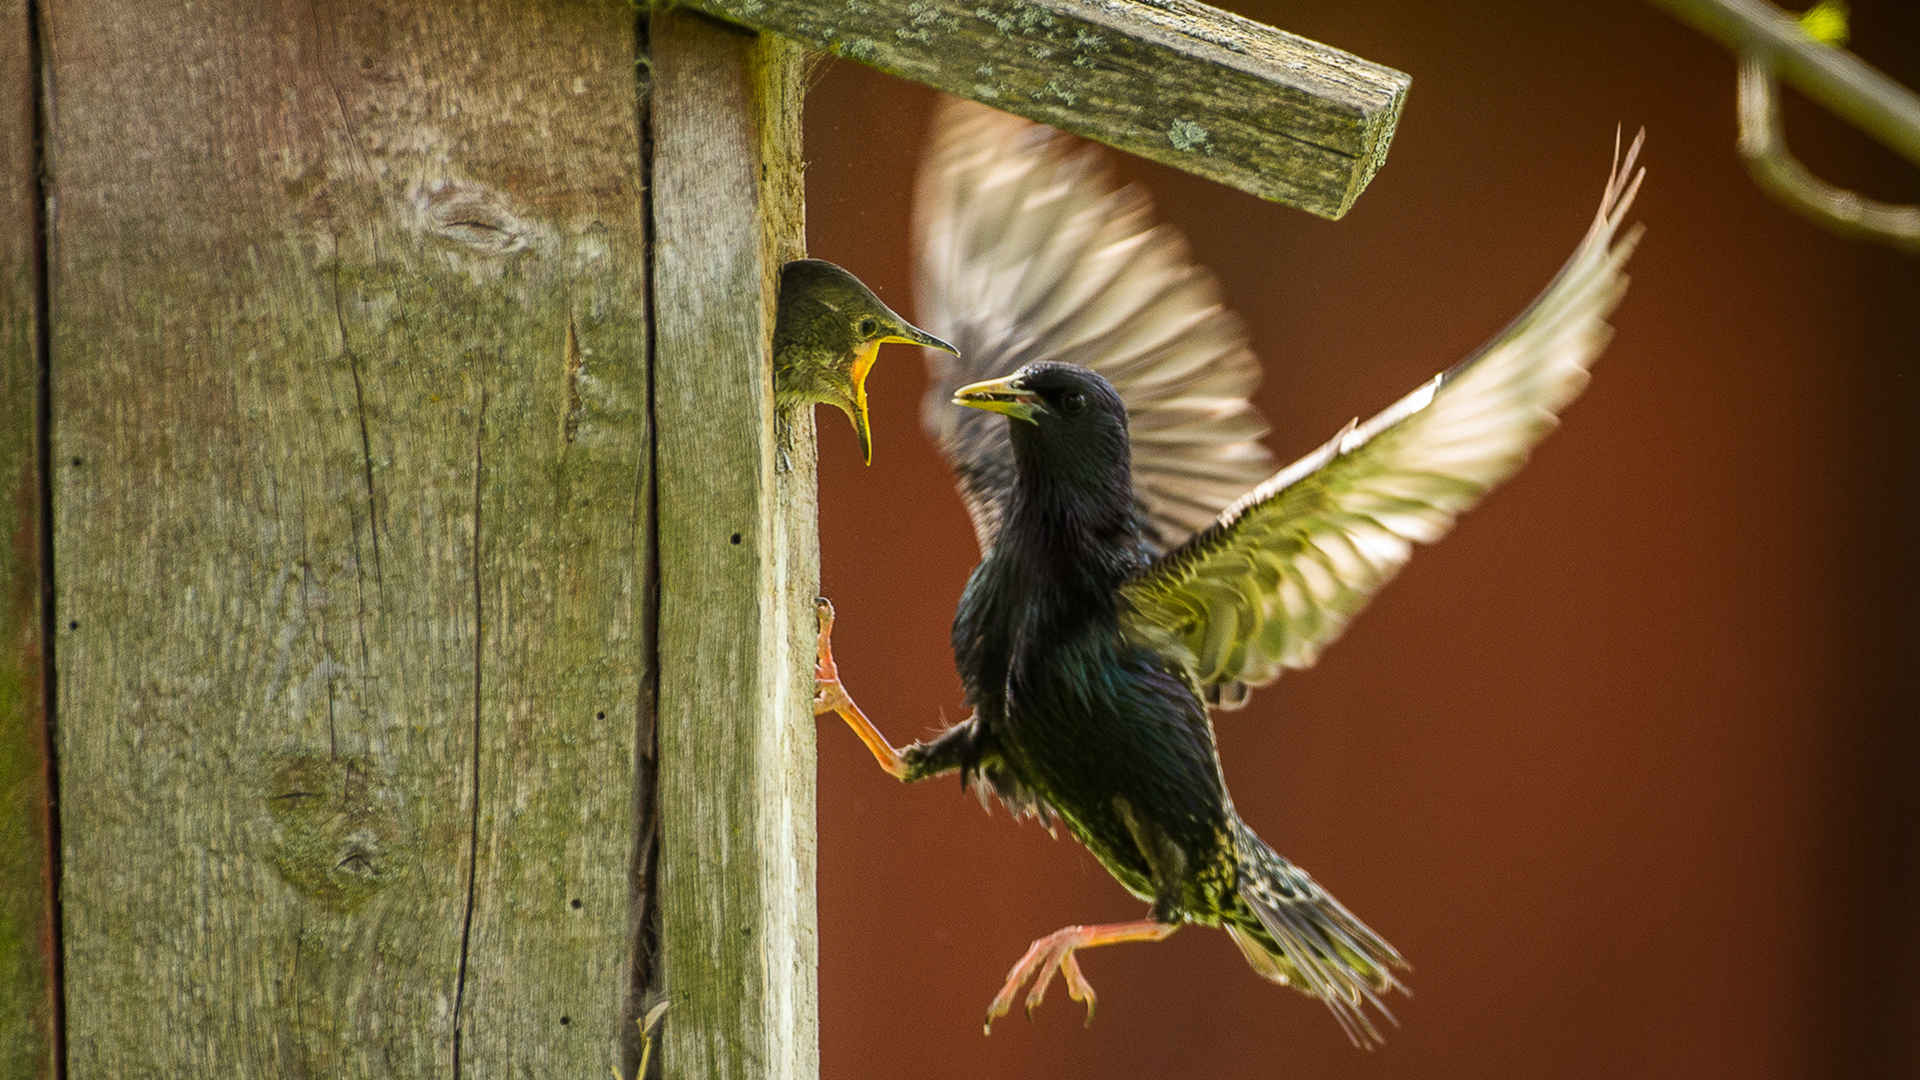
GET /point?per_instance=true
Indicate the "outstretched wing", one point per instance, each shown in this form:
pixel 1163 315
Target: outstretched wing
pixel 1028 250
pixel 1276 578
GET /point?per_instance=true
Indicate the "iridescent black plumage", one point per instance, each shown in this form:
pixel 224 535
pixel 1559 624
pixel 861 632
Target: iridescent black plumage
pixel 1141 559
pixel 1080 721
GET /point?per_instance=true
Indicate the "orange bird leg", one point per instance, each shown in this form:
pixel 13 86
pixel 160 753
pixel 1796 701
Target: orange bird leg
pixel 1055 953
pixel 829 696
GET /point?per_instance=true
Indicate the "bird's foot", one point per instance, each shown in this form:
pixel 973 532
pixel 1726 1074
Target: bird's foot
pixel 1044 957
pixel 1055 953
pixel 830 696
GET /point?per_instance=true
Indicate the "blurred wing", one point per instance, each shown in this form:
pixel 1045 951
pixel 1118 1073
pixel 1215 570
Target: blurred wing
pixel 1029 251
pixel 1276 578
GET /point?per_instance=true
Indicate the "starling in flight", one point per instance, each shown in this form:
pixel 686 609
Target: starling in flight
pixel 826 335
pixel 1141 559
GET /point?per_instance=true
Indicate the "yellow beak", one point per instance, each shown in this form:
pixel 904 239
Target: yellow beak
pixel 863 361
pixel 862 364
pixel 1005 395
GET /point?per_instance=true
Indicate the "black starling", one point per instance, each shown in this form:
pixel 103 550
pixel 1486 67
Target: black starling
pixel 1115 598
pixel 826 335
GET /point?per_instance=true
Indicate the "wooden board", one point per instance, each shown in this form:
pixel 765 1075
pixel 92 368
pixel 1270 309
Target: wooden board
pixel 738 563
pixel 1176 81
pixel 28 1005
pixel 350 516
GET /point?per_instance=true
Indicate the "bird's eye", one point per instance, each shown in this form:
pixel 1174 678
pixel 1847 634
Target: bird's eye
pixel 1072 402
pixel 868 325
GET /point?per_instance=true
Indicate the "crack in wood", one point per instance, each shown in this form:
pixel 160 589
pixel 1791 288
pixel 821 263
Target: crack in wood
pixel 479 658
pixel 40 107
pixel 643 901
pixel 360 414
pixel 571 362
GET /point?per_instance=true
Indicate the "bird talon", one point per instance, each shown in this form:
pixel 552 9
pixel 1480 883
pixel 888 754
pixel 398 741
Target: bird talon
pixel 825 671
pixel 1038 993
pixel 1057 953
pixel 1078 988
pixel 830 695
pixel 1059 959
pixel 1001 1005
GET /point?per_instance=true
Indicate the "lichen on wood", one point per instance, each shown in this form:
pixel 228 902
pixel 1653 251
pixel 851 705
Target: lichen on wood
pixel 1179 82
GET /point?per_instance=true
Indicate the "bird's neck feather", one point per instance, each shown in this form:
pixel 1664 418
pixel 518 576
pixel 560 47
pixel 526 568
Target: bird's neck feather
pixel 1070 526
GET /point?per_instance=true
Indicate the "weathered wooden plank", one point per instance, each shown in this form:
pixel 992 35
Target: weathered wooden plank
pixel 28 1040
pixel 1176 81
pixel 350 410
pixel 738 563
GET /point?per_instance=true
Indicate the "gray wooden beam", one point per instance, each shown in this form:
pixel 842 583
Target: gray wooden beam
pixel 739 563
pixel 1176 81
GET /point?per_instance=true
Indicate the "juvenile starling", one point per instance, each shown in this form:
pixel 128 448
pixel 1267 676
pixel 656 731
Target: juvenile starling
pixel 1115 598
pixel 826 336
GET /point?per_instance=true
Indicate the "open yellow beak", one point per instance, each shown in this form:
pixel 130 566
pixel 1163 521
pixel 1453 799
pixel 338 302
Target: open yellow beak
pixel 863 361
pixel 862 364
pixel 1005 395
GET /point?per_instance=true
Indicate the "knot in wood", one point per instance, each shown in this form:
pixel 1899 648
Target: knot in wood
pixel 475 217
pixel 340 832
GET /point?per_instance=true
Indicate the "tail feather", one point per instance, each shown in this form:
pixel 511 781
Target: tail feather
pixel 1295 933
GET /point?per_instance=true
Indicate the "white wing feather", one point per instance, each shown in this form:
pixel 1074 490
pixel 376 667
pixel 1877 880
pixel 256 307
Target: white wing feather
pixel 1028 250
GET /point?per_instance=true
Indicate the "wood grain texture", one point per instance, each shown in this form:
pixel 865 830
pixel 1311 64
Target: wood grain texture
pixel 738 563
pixel 1176 81
pixel 27 947
pixel 352 438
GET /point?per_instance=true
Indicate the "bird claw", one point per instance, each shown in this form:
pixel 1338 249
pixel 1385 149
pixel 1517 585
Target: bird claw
pixel 1078 988
pixel 1050 954
pixel 828 694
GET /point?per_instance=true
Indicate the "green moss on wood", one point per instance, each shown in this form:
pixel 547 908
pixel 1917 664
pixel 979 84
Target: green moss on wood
pixel 1283 117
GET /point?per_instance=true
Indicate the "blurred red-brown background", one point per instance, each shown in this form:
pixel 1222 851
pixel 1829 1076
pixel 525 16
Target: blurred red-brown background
pixel 1625 766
